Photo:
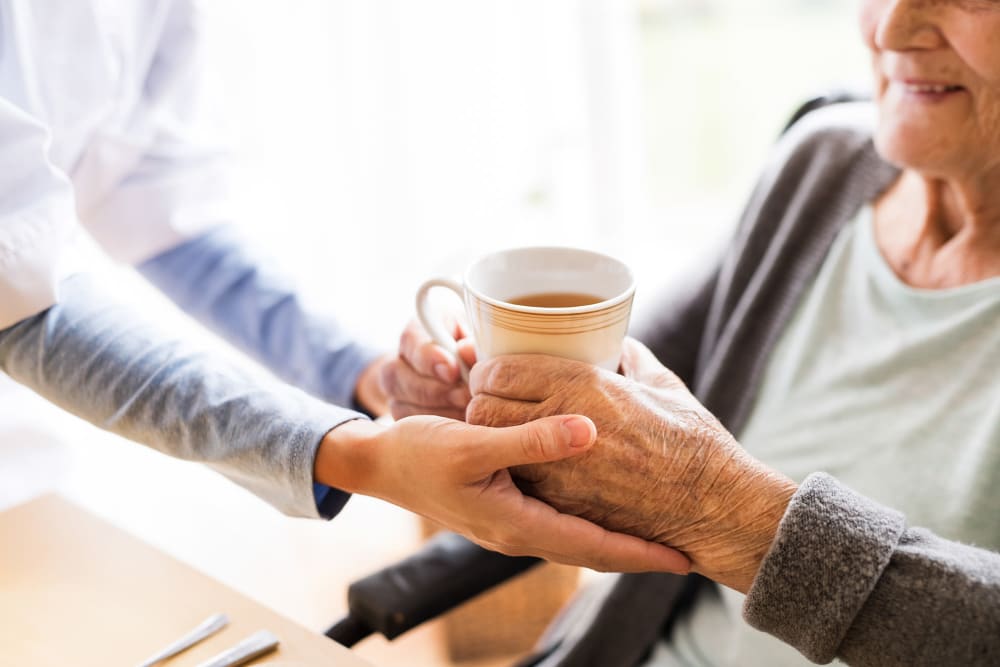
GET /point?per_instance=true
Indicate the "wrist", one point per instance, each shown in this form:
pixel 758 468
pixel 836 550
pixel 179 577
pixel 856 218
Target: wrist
pixel 757 516
pixel 347 457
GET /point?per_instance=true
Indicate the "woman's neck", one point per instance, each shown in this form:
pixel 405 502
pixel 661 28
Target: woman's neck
pixel 936 233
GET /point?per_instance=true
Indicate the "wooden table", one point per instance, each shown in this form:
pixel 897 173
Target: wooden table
pixel 75 590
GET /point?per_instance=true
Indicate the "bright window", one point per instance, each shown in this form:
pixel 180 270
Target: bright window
pixel 384 142
pixel 719 79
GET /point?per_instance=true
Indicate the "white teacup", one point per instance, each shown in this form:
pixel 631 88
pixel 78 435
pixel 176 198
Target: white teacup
pixel 555 319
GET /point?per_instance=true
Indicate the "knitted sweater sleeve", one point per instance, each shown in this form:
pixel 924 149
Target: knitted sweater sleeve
pixel 105 362
pixel 846 578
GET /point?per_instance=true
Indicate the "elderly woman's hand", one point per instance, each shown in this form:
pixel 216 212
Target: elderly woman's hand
pixel 663 467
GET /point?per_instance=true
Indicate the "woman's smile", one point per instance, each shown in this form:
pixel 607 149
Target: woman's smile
pixel 914 90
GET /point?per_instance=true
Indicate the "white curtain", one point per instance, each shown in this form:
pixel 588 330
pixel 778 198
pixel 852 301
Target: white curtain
pixel 384 141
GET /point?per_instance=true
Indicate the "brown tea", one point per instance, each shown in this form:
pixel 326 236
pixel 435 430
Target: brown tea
pixel 556 300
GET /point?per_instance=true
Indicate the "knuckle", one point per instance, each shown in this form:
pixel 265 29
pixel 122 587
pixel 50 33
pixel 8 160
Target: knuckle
pixel 481 411
pixel 477 377
pixel 586 376
pixel 475 411
pixel 485 410
pixel 501 377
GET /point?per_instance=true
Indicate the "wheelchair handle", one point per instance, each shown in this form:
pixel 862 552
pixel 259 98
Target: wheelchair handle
pixel 444 573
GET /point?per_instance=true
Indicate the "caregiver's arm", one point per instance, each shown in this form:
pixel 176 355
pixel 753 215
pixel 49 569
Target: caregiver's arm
pixel 105 363
pixel 221 280
pixel 115 368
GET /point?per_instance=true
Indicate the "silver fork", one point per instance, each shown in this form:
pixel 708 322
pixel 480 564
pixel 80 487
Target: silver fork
pixel 206 629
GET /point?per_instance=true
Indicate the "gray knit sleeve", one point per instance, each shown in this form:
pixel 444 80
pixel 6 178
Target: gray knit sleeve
pixel 846 578
pixel 107 364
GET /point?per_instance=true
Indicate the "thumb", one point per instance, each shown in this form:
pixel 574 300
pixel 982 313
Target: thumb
pixel 539 441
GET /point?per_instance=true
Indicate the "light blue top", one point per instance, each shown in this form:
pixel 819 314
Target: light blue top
pixel 892 390
pixel 223 282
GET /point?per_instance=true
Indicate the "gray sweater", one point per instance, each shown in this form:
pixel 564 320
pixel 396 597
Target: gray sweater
pixel 117 368
pixel 845 577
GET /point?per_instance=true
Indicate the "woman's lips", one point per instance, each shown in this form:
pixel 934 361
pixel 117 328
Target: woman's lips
pixel 927 91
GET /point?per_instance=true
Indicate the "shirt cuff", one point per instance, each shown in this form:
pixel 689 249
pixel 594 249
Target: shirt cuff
pixel 329 501
pixel 831 548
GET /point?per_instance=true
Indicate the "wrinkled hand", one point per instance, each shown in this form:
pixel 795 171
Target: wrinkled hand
pixel 456 474
pixel 663 467
pixel 424 379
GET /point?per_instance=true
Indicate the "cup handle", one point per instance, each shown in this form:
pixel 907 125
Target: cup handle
pixel 433 323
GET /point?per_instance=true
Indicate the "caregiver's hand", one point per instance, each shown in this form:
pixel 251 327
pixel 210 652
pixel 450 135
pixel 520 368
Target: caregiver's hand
pixel 424 378
pixel 663 467
pixel 456 474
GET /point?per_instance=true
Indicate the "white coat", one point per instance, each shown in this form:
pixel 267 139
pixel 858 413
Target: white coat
pixel 102 125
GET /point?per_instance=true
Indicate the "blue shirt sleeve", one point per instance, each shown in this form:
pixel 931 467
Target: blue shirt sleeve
pixel 220 280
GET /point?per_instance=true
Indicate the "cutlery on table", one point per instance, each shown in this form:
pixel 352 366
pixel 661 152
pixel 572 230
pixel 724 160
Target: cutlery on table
pixel 251 648
pixel 208 627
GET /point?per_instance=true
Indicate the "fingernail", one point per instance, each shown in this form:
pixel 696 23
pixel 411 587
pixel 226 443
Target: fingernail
pixel 459 397
pixel 579 431
pixel 443 371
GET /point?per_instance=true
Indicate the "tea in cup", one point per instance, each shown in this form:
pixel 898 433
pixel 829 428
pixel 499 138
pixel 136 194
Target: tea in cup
pixel 565 302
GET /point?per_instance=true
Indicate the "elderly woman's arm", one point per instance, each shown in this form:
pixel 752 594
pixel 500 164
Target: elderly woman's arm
pixel 846 578
pixel 826 570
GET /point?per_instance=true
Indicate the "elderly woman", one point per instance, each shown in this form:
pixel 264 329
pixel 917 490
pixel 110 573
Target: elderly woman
pixel 853 327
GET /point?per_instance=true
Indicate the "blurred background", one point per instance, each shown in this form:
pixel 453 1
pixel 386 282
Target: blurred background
pixel 381 142
pixel 396 140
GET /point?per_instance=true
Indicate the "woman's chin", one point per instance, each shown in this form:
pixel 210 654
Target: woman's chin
pixel 913 150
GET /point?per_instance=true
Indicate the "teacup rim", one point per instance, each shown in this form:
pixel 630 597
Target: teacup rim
pixel 624 296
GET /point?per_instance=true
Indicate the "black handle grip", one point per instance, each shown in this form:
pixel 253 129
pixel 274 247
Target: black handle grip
pixel 447 571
